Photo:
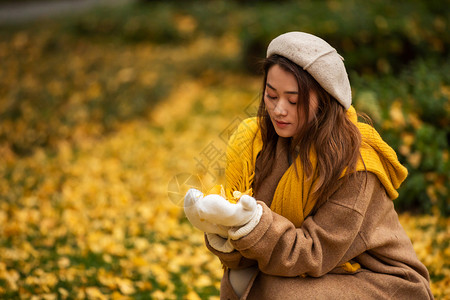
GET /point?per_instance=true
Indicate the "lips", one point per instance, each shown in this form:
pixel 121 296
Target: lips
pixel 281 124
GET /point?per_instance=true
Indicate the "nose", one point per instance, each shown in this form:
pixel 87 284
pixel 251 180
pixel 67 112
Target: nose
pixel 280 109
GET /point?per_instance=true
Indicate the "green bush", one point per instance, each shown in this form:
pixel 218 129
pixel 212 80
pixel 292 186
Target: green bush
pixel 373 36
pixel 412 112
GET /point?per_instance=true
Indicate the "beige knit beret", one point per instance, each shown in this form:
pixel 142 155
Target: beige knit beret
pixel 319 59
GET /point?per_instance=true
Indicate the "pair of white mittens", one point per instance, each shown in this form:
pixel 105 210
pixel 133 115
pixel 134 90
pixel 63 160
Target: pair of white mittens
pixel 220 219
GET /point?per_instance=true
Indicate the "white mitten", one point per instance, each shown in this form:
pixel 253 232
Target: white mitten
pixel 216 209
pixel 219 243
pixel 192 208
pixel 236 233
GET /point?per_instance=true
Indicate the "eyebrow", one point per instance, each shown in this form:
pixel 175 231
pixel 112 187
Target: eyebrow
pixel 288 92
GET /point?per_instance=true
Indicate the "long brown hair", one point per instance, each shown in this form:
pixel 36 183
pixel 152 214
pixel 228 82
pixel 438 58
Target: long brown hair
pixel 335 139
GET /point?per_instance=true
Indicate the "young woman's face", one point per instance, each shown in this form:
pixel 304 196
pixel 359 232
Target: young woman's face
pixel 281 97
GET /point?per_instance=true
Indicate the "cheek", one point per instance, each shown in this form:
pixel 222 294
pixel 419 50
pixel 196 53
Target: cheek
pixel 267 104
pixel 294 113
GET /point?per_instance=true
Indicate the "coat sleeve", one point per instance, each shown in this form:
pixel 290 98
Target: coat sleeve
pixel 325 240
pixel 232 260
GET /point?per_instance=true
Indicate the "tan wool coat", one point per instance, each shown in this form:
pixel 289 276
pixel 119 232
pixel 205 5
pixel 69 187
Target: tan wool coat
pixel 357 224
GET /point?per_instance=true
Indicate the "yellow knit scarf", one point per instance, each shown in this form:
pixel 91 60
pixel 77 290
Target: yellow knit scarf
pixel 292 198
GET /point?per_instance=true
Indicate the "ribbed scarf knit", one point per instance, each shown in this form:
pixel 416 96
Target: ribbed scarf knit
pixel 292 198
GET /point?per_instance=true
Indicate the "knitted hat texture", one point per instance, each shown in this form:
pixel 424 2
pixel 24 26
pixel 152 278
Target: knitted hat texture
pixel 319 59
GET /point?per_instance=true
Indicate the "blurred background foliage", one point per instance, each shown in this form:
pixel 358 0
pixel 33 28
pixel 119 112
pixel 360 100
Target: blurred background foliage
pixel 95 106
pixel 397 55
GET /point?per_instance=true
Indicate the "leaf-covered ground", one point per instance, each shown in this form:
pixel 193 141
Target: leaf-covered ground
pixel 98 145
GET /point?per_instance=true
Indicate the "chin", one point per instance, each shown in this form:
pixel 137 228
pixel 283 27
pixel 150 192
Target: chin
pixel 284 134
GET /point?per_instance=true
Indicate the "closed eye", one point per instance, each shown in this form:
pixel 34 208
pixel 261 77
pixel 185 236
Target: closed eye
pixel 271 97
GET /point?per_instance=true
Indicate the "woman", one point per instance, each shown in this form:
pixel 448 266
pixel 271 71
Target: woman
pixel 324 224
